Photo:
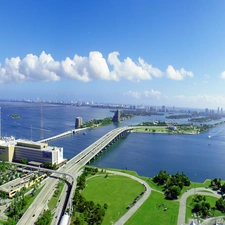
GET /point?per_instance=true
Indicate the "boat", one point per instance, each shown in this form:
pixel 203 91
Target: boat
pixel 209 136
pixel 84 133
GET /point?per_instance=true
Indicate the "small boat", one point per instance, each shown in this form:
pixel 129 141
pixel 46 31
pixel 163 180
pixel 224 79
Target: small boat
pixel 209 136
pixel 84 133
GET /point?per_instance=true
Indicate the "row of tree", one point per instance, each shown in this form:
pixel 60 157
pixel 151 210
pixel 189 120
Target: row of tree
pixel 172 184
pixel 45 219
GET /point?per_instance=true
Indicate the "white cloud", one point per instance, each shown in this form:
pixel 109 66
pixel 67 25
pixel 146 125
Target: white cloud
pixel 177 74
pixel 85 69
pixel 31 68
pixel 222 75
pixel 133 94
pixel 152 93
pixel 127 69
pixel 197 101
pixel 151 70
pixel 200 100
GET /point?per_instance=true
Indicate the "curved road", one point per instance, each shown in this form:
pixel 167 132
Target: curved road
pixel 183 199
pixel 132 210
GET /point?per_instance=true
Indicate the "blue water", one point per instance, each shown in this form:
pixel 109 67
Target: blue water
pixel 197 156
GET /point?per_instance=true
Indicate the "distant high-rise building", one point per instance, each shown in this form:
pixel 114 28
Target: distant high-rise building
pixel 221 110
pixel 206 110
pixel 163 108
pixel 78 122
pixel 116 117
pixel 218 110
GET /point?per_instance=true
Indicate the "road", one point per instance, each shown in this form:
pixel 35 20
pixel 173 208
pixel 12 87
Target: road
pixel 71 168
pixel 183 199
pixel 132 210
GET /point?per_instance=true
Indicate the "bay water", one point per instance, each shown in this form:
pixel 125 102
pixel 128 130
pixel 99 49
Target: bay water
pixel 198 156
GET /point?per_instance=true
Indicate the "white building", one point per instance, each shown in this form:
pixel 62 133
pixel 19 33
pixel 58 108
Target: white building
pixel 32 151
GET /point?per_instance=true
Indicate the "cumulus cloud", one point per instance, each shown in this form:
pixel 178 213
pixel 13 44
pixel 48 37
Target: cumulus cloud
pixel 177 74
pixel 31 68
pixel 82 68
pixel 222 75
pixel 151 70
pixel 127 69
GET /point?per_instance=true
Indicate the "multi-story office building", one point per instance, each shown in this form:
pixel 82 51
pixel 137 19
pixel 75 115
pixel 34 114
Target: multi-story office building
pixel 15 150
pixel 78 122
pixel 116 117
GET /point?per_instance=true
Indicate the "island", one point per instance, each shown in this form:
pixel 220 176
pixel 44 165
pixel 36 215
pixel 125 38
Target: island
pixel 15 116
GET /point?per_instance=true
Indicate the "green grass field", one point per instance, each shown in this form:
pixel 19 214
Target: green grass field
pixel 117 191
pixel 152 211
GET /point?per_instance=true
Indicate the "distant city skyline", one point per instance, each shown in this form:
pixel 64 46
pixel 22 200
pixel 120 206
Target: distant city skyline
pixel 155 53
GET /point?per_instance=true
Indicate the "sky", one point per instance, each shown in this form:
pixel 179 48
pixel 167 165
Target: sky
pixel 138 52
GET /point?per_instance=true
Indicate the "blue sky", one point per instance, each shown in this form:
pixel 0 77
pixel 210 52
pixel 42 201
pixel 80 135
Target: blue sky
pixel 132 52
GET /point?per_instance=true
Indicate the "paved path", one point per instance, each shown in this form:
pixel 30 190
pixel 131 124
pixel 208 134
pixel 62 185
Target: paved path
pixel 132 210
pixel 182 209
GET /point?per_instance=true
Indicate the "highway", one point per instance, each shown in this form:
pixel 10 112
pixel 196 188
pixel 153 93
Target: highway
pixel 71 169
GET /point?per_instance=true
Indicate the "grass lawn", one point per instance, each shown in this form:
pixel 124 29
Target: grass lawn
pixel 116 191
pixel 160 129
pixel 152 184
pixel 196 185
pixel 152 211
pixel 134 173
pixel 190 205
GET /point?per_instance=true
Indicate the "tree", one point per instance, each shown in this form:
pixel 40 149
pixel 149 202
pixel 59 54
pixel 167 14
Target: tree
pixel 197 207
pixel 23 161
pixel 223 188
pixel 215 183
pixel 161 177
pixel 174 192
pixel 220 205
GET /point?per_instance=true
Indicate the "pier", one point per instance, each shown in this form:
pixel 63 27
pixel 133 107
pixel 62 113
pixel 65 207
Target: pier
pixel 63 134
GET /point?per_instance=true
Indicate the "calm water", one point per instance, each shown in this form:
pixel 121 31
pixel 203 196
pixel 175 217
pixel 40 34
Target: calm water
pixel 197 156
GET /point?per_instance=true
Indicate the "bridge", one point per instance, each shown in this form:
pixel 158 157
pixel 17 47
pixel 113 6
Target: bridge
pixel 89 153
pixel 72 167
pixel 63 134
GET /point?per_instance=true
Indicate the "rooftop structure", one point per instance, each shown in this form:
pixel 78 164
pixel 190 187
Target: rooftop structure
pixel 12 187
